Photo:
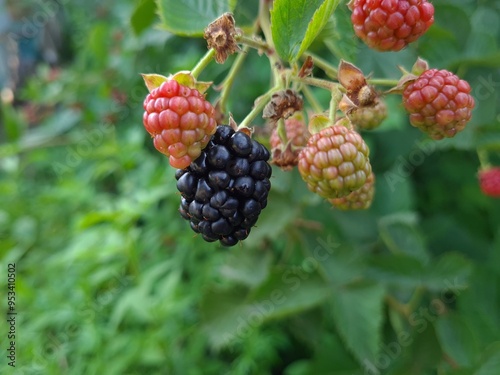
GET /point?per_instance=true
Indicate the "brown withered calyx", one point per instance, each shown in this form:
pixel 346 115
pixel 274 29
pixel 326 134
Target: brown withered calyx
pixel 283 104
pixel 220 36
pixel 359 93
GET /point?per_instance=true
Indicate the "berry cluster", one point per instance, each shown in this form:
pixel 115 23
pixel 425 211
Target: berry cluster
pixel 226 187
pixel 223 175
pixel 180 121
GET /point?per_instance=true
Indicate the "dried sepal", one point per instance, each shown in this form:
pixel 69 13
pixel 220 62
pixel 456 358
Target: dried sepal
pixel 307 67
pixel 283 104
pixel 353 80
pixel 221 36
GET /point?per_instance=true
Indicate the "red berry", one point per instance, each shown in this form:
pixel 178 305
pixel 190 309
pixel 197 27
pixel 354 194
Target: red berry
pixel 286 155
pixel 390 25
pixel 489 181
pixel 334 162
pixel 180 120
pixel 296 133
pixel 439 103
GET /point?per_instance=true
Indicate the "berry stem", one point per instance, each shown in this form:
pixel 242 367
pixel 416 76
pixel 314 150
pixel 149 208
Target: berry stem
pixel 334 102
pixel 395 305
pixel 322 83
pixel 323 65
pixel 227 84
pixel 253 42
pixel 415 299
pixel 483 159
pixel 383 82
pixel 260 103
pixel 203 63
pixel 281 129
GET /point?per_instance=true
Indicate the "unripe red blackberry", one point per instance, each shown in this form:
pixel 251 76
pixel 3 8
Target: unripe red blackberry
pixel 180 120
pixel 390 25
pixel 489 182
pixel 226 187
pixel 335 162
pixel 439 103
pixel 296 133
pixel 360 199
pixel 286 155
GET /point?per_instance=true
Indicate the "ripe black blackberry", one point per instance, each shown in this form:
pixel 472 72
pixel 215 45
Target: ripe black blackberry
pixel 226 187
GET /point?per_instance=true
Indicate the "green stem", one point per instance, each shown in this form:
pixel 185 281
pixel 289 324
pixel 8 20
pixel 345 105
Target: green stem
pixel 227 84
pixel 334 103
pixel 322 83
pixel 415 299
pixel 483 159
pixel 281 129
pixel 265 24
pixel 258 44
pixel 203 63
pixel 260 103
pixel 383 82
pixel 311 99
pixel 394 304
pixel 323 65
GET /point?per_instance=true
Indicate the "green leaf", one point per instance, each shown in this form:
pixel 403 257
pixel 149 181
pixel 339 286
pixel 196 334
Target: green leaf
pixel 288 291
pixel 400 233
pixel 273 219
pixel 296 23
pixel 447 273
pixel 143 16
pixel 457 339
pixel 232 314
pixel 190 17
pixel 245 13
pixel 249 268
pixel 357 312
pixel 491 361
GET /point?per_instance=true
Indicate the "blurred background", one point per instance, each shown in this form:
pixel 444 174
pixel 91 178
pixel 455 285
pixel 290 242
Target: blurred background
pixel 110 279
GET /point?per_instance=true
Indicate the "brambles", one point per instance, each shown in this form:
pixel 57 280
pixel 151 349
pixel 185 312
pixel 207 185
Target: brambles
pixel 180 121
pixel 390 25
pixel 439 103
pixel 226 187
pixel 489 181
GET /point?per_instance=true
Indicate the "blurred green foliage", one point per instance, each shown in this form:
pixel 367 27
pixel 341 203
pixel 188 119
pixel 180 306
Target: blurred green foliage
pixel 110 280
